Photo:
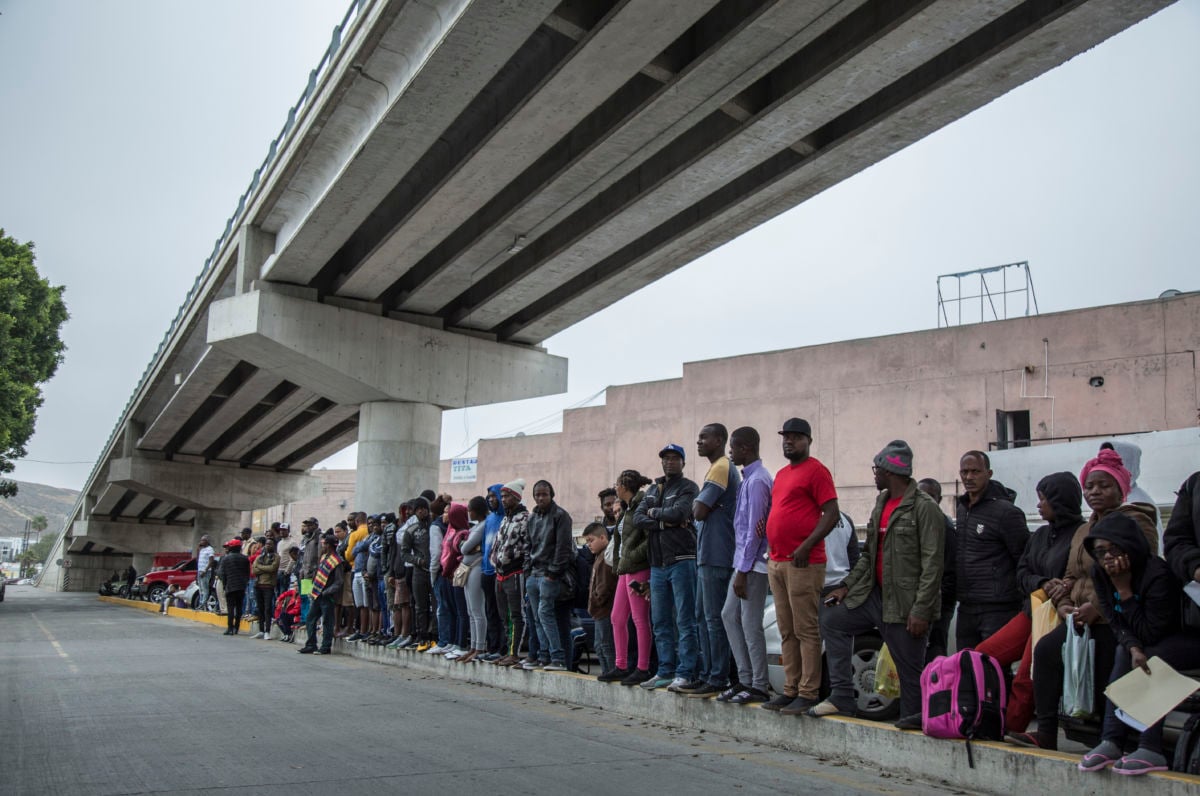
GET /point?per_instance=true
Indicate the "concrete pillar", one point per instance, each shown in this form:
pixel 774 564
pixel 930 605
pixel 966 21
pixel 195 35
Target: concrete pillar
pixel 254 247
pixel 220 525
pixel 398 448
pixel 142 562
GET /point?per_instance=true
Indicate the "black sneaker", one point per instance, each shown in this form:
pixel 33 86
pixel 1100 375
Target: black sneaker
pixel 613 675
pixel 637 677
pixel 912 722
pixel 307 650
pixel 798 707
pixel 706 691
pixel 324 652
pixel 689 687
pixel 728 694
pixel 780 702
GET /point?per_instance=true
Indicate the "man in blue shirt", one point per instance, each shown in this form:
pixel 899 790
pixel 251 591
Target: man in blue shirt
pixel 747 597
pixel 713 510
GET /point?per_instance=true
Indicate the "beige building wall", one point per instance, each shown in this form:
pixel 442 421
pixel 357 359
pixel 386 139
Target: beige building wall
pixel 939 389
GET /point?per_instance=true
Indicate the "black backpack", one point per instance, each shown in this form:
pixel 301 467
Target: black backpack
pixel 582 570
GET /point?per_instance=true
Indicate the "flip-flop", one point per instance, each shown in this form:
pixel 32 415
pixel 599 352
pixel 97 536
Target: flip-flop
pixel 1095 762
pixel 1135 766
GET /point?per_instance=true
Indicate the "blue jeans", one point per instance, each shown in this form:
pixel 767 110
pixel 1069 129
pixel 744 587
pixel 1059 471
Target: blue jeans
pixel 603 644
pixel 673 613
pixel 543 595
pixel 712 586
pixel 447 622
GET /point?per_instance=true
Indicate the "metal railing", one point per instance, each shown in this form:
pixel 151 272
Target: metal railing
pixel 353 12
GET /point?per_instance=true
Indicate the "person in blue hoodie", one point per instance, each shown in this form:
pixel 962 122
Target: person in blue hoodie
pixel 1140 599
pixel 495 627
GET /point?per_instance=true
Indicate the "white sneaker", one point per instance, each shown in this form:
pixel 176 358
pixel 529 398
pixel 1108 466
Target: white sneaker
pixel 438 650
pixel 454 655
pixel 679 682
pixel 257 635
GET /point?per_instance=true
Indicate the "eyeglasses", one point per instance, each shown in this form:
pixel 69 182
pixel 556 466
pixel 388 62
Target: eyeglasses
pixel 1106 551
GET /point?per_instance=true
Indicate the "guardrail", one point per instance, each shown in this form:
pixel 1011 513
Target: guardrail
pixel 306 96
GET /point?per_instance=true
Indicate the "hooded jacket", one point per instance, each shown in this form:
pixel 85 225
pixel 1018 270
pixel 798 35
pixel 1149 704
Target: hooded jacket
pixel 672 535
pixel 632 543
pixel 490 528
pixel 991 540
pixel 1045 556
pixel 1152 612
pixel 1181 541
pixel 1079 561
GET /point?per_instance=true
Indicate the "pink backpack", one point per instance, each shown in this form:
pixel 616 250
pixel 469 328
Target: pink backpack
pixel 964 696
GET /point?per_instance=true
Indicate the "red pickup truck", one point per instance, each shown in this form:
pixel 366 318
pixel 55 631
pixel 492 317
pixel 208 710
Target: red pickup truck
pixel 154 583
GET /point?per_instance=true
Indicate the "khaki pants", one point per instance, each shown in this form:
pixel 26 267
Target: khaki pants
pixel 797 594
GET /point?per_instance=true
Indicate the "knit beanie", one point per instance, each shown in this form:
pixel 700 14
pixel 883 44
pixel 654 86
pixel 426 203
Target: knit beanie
pixel 517 487
pixel 896 457
pixel 1109 461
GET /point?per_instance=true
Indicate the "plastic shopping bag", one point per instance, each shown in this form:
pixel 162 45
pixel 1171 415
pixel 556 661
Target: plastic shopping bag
pixel 1078 656
pixel 887 679
pixel 1044 617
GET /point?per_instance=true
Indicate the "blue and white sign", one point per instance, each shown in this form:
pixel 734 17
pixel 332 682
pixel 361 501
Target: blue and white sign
pixel 463 471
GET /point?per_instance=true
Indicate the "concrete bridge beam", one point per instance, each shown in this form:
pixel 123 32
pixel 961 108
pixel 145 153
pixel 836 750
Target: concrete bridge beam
pixel 361 357
pixel 199 486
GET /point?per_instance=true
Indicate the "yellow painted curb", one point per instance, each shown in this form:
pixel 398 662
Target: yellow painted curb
pixel 216 620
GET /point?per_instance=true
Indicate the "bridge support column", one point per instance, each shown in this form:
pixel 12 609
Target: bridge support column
pixel 219 524
pixel 398 449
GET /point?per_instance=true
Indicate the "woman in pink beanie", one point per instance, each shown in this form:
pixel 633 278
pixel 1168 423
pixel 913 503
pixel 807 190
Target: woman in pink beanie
pixel 1105 481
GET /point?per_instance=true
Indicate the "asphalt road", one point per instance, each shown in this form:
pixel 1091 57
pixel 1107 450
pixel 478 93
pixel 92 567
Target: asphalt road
pixel 101 699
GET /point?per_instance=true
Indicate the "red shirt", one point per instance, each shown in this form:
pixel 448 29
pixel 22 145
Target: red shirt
pixel 888 508
pixel 799 492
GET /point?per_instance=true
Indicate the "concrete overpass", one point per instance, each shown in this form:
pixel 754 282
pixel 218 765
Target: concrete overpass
pixel 461 180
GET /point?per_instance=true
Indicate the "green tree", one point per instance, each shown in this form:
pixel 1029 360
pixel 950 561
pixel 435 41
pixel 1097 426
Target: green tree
pixel 39 523
pixel 36 554
pixel 31 314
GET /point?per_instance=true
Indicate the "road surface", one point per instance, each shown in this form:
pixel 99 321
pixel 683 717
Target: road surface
pixel 102 699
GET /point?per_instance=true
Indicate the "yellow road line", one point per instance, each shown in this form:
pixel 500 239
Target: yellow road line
pixel 57 647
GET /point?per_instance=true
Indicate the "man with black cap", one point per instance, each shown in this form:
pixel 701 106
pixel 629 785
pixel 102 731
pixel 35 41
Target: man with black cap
pixel 665 513
pixel 896 586
pixel 804 509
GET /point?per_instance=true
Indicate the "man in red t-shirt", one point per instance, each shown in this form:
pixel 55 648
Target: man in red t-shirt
pixel 804 509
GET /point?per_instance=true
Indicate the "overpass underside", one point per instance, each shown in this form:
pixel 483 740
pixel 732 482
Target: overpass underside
pixel 462 180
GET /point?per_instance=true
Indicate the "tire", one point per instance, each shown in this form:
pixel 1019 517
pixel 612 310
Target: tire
pixel 870 705
pixel 213 603
pixel 123 591
pixel 196 601
pixel 154 593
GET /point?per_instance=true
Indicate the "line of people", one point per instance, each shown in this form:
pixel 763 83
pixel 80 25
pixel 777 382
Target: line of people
pixel 676 578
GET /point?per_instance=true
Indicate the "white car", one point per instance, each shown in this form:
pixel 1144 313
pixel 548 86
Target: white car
pixel 870 705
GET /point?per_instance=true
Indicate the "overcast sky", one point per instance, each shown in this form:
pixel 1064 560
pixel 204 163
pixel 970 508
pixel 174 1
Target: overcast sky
pixel 131 128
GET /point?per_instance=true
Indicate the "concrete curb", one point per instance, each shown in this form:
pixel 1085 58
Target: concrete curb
pixel 216 620
pixel 1000 768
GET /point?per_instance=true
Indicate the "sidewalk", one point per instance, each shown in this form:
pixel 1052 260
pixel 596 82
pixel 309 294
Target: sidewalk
pixel 1000 768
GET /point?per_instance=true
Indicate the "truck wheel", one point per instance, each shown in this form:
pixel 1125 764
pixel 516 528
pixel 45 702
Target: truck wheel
pixel 156 592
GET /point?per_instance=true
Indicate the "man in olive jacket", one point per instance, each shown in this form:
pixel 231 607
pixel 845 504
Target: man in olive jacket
pixel 895 587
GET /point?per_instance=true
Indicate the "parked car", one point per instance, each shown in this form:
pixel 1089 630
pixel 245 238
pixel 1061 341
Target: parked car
pixel 870 704
pixel 191 596
pixel 153 584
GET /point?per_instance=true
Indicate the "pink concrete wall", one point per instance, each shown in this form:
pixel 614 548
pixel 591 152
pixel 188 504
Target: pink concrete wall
pixel 939 389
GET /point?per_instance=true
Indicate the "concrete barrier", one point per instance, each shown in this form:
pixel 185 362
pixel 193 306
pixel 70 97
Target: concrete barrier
pixel 1000 768
pixel 216 620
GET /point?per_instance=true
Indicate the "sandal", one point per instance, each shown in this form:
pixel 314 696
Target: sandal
pixel 1100 758
pixel 1140 761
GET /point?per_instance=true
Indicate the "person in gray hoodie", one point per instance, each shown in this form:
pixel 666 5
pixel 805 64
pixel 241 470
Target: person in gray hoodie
pixel 547 570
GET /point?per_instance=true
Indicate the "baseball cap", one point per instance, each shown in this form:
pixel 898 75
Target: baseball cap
pixel 672 448
pixel 796 425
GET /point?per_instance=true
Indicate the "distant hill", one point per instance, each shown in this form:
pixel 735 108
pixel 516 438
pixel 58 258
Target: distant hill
pixel 31 500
